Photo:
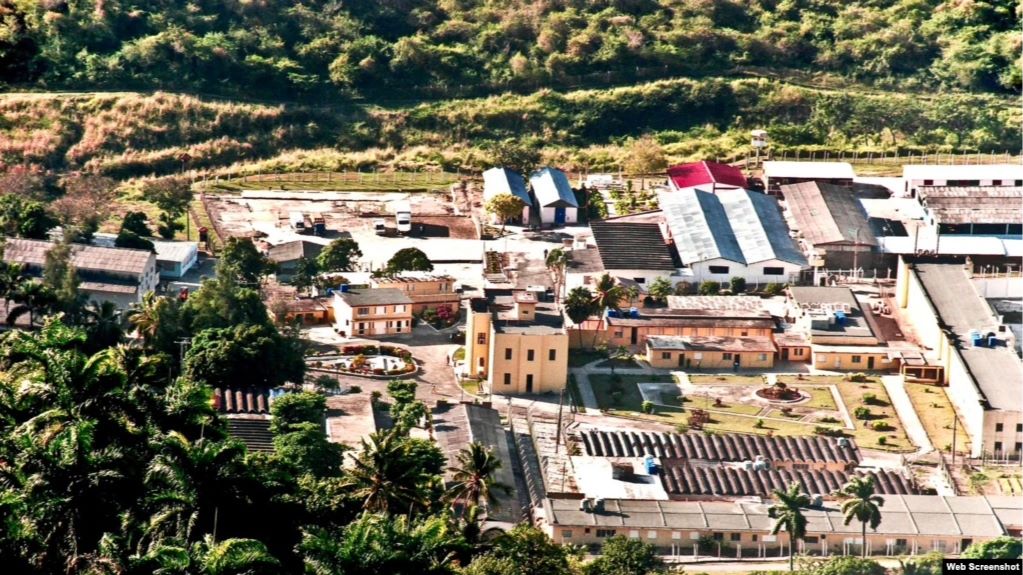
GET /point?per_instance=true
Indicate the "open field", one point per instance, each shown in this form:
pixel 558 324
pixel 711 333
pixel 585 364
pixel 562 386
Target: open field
pixel 337 181
pixel 936 413
pixel 726 379
pixel 895 436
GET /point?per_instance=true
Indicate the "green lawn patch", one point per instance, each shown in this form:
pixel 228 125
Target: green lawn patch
pixel 459 354
pixel 936 414
pixel 628 400
pixel 866 437
pixel 702 379
pixel 581 357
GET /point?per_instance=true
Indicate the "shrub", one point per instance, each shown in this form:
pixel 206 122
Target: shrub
pixel 880 426
pixel 857 377
pixel 774 289
pixel 648 407
pixel 759 424
pixel 827 431
pixel 710 288
pixel 378 371
pixel 737 285
pixel 862 412
pixel 355 389
pixel 827 419
pixel 870 398
pixel 882 440
pixel 682 428
pixel 375 396
pixel 786 411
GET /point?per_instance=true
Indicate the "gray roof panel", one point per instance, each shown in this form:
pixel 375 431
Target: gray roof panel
pixel 551 187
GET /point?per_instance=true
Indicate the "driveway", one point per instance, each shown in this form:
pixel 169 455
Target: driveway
pixel 895 386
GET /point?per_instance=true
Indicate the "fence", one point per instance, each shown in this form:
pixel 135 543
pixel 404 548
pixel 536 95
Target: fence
pixel 894 157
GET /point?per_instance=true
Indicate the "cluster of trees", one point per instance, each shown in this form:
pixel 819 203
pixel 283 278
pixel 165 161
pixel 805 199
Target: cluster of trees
pixel 430 47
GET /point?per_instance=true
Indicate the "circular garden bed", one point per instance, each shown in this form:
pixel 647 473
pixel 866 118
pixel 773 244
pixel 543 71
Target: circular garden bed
pixel 373 361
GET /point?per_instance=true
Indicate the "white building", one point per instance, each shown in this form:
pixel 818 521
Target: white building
pixel 174 259
pixel 916 175
pixel 777 174
pixel 732 233
pixel 118 275
pixel 497 181
pixel 554 197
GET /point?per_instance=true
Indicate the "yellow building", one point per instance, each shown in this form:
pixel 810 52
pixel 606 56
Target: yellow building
pixel 372 312
pixel 516 344
pixel 425 291
pixel 713 352
pixel 969 340
pixel 633 328
pixel 854 358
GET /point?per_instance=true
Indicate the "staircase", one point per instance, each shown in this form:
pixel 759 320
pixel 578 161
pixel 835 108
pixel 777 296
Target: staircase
pixel 254 433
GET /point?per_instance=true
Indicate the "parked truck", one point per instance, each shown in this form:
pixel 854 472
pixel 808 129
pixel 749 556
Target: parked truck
pixel 297 221
pixel 402 215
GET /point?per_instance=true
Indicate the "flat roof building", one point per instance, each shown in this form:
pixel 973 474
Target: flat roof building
pixel 973 210
pixel 831 224
pixel 966 337
pixel 777 174
pixel 916 175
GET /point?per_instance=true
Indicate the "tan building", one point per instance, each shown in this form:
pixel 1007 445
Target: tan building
pixel 425 291
pixel 372 312
pixel 910 525
pixel 853 358
pixel 710 352
pixel 830 316
pixel 516 344
pixel 969 340
pixel 633 328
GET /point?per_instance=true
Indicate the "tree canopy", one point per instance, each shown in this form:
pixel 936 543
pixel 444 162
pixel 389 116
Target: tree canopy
pixel 408 259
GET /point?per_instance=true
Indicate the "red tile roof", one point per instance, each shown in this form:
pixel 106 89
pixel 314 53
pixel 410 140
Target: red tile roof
pixel 702 173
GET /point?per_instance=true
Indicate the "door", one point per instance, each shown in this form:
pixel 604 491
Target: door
pixel 870 362
pixel 633 336
pixel 559 216
pixel 682 360
pixel 529 383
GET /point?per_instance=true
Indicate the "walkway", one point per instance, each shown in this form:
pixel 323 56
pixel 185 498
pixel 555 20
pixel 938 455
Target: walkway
pixel 582 380
pixel 895 386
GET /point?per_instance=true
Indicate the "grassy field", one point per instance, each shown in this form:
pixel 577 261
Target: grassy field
pixel 340 181
pixel 580 357
pixel 895 436
pixel 936 414
pixel 630 402
pixel 820 398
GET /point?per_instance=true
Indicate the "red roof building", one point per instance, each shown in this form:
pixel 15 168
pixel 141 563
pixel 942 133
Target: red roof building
pixel 708 176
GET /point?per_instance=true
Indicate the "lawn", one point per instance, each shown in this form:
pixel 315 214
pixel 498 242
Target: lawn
pixel 580 357
pixel 789 379
pixel 895 437
pixel 702 402
pixel 472 386
pixel 936 414
pixel 726 379
pixel 820 398
pixel 630 402
pixel 728 423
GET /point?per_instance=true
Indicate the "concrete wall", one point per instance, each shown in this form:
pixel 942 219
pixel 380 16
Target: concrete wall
pixel 754 274
pixel 547 215
pixel 547 374
pixel 999 287
pixel 708 359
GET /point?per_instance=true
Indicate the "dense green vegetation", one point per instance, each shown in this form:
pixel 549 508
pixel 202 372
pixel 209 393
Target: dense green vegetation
pixel 469 47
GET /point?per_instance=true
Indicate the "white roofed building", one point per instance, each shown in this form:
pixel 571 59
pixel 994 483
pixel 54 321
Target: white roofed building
pixel 777 174
pixel 554 197
pixel 498 181
pixel 916 175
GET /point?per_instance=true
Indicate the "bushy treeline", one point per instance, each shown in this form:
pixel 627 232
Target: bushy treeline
pixel 130 135
pixel 402 48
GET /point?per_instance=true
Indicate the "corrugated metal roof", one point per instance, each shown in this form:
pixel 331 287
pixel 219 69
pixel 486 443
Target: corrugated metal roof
pixel 551 187
pixel 682 478
pixel 175 251
pixel 624 245
pixel 973 204
pixel 827 214
pixel 83 257
pixel 737 225
pixel 497 181
pixel 700 173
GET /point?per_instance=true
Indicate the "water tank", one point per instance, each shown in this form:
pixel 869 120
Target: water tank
pixel 344 288
pixel 648 463
pixel 817 501
pixel 598 505
pixel 760 465
pixel 840 318
pixel 843 442
pixel 992 341
pixel 747 465
pixel 633 312
pixel 584 505
pixel 612 313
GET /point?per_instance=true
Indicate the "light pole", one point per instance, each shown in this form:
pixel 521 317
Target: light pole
pixel 856 253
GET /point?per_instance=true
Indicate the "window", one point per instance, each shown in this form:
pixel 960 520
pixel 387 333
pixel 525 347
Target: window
pixel 769 271
pixel 857 358
pixel 530 355
pixel 618 333
pixel 719 537
pixel 390 324
pixel 1017 447
pixel 633 534
pixel 1019 428
pixel 821 358
pixel 810 540
pixel 639 280
pixel 744 333
pixel 606 532
pixel 507 379
pixel 566 533
pixel 726 355
pixel 797 352
pixel 755 537
pixel 928 182
pixel 481 338
pixel 507 353
pixel 676 535
pixel 363 311
pixel 718 269
pixel 1019 183
pixel 665 355
pixel 999 427
pixel 399 308
pixel 903 543
pixel 762 357
pixel 651 534
pixel 552 355
pixel 381 310
pixel 735 537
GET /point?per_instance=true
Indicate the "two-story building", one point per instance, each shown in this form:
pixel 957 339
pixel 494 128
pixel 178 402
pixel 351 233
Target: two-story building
pixel 516 344
pixel 427 291
pixel 121 276
pixel 372 312
pixel 975 348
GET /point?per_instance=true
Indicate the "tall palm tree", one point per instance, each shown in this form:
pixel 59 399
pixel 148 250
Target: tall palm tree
pixel 606 295
pixel 863 505
pixel 787 513
pixel 381 476
pixel 557 262
pixel 11 276
pixel 104 324
pixel 578 307
pixel 474 481
pixel 145 316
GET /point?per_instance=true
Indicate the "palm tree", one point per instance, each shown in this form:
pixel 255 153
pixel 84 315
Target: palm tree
pixel 632 292
pixel 31 296
pixel 474 477
pixel 145 316
pixel 557 262
pixel 381 476
pixel 788 515
pixel 11 276
pixel 608 294
pixel 104 324
pixel 579 306
pixel 863 505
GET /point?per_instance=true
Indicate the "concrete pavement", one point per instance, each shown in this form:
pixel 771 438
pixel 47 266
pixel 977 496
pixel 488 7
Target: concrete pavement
pixel 895 386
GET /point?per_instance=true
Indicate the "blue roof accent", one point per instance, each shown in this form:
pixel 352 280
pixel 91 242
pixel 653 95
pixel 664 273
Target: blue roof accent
pixel 737 225
pixel 497 181
pixel 552 189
